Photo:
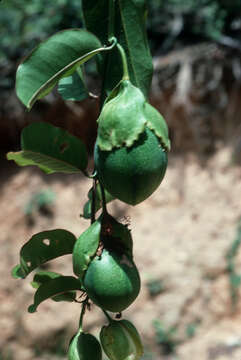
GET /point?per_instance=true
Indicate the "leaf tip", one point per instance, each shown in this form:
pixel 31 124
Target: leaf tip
pixel 9 155
pixel 32 309
pixel 17 272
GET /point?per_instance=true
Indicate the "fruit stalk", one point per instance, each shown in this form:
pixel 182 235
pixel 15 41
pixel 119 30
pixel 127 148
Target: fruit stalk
pixel 124 62
pixel 104 208
pixel 82 316
pixel 92 220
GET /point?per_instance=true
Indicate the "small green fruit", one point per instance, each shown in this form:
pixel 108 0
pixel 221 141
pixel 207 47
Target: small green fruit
pixel 84 347
pixel 133 173
pixel 120 341
pixel 131 146
pixel 112 281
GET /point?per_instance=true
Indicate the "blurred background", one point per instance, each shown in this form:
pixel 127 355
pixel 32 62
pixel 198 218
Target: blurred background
pixel 187 235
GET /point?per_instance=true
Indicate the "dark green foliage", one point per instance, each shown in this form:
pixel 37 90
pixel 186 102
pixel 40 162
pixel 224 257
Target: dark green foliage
pixel 24 23
pixel 185 22
pixel 129 28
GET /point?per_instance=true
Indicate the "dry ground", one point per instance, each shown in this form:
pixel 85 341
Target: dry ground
pixel 181 237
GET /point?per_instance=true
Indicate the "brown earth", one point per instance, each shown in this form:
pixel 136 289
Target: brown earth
pixel 181 237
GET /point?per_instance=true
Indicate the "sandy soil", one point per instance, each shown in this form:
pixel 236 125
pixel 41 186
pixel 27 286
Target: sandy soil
pixel 181 237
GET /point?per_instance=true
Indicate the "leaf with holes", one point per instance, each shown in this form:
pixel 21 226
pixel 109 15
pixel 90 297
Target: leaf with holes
pixel 57 57
pixel 42 277
pixel 51 148
pixel 42 247
pixel 87 207
pixel 85 248
pixel 54 287
pixel 73 87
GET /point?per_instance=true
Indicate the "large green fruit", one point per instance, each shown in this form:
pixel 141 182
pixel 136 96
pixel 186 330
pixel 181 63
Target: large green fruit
pixel 120 341
pixel 132 174
pixel 84 347
pixel 112 281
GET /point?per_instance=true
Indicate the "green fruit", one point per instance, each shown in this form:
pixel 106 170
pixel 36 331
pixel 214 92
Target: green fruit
pixel 120 341
pixel 131 146
pixel 133 173
pixel 112 281
pixel 84 347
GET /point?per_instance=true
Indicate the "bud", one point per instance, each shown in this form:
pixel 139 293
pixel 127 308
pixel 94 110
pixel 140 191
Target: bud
pixel 84 347
pixel 121 341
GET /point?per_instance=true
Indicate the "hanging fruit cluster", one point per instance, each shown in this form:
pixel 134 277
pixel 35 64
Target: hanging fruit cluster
pixel 130 161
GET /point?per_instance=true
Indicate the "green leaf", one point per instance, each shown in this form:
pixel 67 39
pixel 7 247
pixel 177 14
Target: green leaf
pixel 134 39
pixel 87 207
pixel 85 248
pixel 68 296
pixel 57 57
pixel 51 148
pixel 73 87
pixel 130 31
pixel 54 287
pixel 42 277
pixel 42 247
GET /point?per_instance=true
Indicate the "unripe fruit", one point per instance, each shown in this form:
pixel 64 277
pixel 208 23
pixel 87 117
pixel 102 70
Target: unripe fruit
pixel 84 347
pixel 112 281
pixel 120 341
pixel 131 147
pixel 132 174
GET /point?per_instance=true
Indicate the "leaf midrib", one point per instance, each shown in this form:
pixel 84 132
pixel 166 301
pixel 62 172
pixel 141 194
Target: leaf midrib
pixel 68 165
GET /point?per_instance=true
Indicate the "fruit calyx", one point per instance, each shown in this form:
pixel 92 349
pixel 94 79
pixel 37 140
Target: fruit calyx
pixel 116 236
pixel 125 115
